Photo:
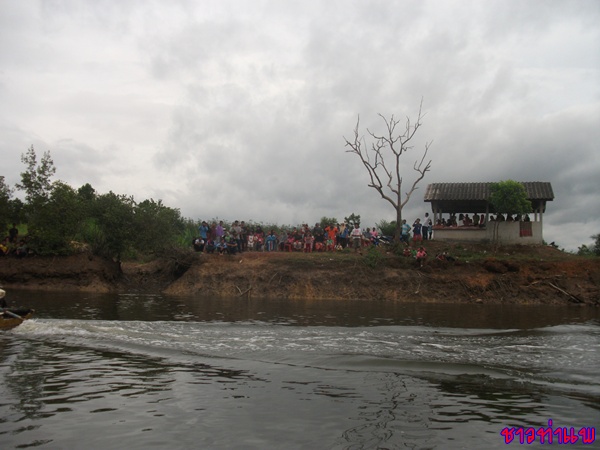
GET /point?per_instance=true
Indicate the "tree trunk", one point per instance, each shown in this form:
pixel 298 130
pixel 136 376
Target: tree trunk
pixel 398 234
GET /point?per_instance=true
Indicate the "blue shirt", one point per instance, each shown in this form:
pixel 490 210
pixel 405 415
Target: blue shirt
pixel 203 231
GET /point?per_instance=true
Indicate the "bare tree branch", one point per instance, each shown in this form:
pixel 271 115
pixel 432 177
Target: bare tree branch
pixel 382 161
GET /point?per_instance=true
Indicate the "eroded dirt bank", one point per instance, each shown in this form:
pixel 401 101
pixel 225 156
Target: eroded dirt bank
pixel 81 272
pixel 511 275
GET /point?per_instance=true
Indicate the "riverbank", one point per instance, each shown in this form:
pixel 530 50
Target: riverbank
pixel 515 274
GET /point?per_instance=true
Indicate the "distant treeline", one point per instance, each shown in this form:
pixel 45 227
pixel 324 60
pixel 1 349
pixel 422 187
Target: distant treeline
pixel 57 219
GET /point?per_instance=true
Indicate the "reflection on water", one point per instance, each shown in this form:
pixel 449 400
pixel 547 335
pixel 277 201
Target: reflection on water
pixel 150 371
pixel 299 312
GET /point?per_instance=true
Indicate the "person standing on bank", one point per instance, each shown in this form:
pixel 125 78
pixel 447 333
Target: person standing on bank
pixel 356 236
pixel 405 231
pixel 417 227
pixel 425 227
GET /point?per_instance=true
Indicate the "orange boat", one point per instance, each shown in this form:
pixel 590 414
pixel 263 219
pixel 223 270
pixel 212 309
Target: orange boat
pixel 10 318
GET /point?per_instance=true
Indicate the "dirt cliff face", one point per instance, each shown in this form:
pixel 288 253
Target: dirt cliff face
pixel 540 275
pixel 80 272
pixel 394 279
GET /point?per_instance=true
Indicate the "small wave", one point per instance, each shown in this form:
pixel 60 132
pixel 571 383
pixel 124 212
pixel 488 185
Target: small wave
pixel 531 351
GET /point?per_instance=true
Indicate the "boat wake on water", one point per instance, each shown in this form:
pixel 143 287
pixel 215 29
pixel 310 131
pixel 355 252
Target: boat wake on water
pixel 564 356
pixel 268 384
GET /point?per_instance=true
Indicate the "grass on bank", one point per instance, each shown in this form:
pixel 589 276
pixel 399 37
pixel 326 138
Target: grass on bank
pixel 374 257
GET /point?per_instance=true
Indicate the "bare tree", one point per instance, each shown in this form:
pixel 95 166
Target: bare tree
pixel 382 161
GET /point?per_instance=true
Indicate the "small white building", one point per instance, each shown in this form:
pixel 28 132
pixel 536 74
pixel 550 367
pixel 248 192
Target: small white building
pixel 473 198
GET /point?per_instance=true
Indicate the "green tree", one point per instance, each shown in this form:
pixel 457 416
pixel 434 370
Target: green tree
pixel 5 197
pixel 58 223
pixel 111 232
pixel 387 228
pixel 326 221
pixel 36 180
pixel 59 216
pixel 52 209
pixel 584 250
pixel 16 208
pixel 87 197
pixel 352 220
pixel 157 226
pixel 509 197
pixel 383 165
pixel 596 247
pixel 87 193
pixel 37 184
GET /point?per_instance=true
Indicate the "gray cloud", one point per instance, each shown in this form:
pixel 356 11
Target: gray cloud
pixel 238 109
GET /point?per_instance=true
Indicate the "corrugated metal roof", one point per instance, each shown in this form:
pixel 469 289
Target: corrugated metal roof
pixel 536 190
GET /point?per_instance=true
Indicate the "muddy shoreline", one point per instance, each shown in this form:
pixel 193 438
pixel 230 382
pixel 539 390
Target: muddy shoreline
pixel 522 275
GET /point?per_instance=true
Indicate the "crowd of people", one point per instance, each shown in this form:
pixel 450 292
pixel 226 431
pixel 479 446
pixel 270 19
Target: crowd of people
pixel 423 231
pixel 217 238
pixel 478 220
pixel 12 245
pixel 239 237
pixel 420 231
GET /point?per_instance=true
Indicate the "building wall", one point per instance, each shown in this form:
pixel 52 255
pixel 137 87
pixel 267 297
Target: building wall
pixel 507 233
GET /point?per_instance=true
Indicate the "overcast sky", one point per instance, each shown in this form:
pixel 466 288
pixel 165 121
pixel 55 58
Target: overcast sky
pixel 238 109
